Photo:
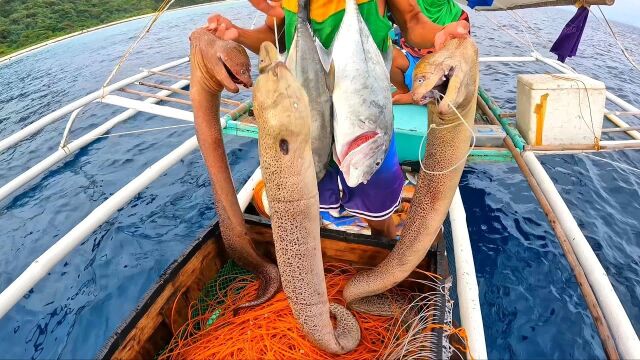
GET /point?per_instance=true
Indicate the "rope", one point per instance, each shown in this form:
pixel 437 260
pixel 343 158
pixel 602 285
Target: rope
pixel 524 21
pixel 141 131
pixel 434 126
pixel 275 33
pixel 526 33
pixel 596 140
pixel 507 31
pixel 161 10
pixel 614 163
pixel 615 37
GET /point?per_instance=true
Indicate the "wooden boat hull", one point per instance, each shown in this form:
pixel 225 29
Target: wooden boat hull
pixel 165 306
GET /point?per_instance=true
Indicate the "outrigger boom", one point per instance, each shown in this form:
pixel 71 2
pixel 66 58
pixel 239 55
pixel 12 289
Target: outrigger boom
pixel 625 337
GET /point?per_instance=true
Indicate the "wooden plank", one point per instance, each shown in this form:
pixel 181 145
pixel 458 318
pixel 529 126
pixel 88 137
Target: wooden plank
pixel 167 308
pixel 163 87
pixel 154 330
pixel 159 97
pixel 162 73
pixel 332 250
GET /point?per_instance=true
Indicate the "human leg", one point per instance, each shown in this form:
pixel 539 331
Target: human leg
pixel 385 227
pixel 399 66
pixel 377 199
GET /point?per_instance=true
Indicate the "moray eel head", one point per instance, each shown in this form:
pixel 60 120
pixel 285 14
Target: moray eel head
pixel 445 77
pixel 285 104
pixel 269 57
pixel 223 63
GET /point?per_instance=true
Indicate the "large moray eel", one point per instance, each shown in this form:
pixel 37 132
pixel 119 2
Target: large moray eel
pixel 284 121
pixel 452 71
pixel 215 65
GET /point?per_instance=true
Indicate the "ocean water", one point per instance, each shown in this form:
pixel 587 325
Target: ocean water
pixel 532 307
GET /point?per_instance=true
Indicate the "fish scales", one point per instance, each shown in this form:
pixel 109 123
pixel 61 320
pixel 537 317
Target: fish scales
pixel 305 63
pixel 363 116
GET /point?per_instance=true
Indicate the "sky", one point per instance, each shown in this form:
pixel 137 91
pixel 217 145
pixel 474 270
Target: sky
pixel 626 11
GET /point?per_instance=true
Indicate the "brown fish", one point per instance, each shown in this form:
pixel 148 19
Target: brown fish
pixel 215 65
pixel 452 71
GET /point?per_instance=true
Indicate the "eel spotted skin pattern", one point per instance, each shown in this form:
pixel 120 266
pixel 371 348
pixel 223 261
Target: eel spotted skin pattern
pixel 282 110
pixel 216 65
pixel 452 71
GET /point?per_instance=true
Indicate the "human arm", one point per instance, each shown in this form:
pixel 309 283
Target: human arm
pixel 249 38
pixel 419 31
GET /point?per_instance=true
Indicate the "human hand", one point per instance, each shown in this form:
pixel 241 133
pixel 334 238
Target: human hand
pixel 269 7
pixel 221 27
pixel 402 99
pixel 458 29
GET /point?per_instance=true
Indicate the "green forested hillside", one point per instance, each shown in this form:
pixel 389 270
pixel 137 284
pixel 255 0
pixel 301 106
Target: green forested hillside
pixel 27 22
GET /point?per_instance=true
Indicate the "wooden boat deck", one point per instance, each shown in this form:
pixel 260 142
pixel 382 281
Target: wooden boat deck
pixel 165 307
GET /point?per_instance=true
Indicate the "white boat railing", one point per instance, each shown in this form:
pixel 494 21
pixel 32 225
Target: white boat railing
pixel 467 283
pixel 619 323
pixel 624 335
pixel 622 331
pixel 43 264
pixel 67 149
pixel 56 115
pixel 166 111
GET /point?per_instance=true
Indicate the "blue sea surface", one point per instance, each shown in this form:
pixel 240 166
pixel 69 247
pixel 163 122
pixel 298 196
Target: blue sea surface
pixel 532 307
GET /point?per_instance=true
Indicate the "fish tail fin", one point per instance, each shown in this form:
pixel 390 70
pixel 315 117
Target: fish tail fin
pixel 303 10
pixel 290 60
pixel 331 78
pixel 324 54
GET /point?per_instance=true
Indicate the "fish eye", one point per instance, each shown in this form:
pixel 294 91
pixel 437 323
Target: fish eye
pixel 420 80
pixel 243 71
pixel 284 146
pixel 378 163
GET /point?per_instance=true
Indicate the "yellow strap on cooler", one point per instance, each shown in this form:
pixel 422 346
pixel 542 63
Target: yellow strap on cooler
pixel 541 111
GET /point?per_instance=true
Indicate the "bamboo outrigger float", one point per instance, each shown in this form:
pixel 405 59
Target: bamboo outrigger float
pixel 149 329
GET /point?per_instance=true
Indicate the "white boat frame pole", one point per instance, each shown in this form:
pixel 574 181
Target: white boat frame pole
pixel 622 330
pixel 147 107
pixel 488 59
pixel 76 145
pixel 52 117
pixel 467 283
pixel 43 264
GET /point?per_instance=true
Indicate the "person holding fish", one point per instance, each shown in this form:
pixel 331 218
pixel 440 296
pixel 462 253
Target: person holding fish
pixel 406 56
pixel 352 138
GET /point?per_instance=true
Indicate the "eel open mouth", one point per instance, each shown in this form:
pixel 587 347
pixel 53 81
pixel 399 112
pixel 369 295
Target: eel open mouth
pixel 232 75
pixel 359 141
pixel 439 88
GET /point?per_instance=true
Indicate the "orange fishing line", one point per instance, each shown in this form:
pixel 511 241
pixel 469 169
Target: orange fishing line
pixel 270 331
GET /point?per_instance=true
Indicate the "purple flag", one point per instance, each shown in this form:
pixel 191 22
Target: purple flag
pixel 567 43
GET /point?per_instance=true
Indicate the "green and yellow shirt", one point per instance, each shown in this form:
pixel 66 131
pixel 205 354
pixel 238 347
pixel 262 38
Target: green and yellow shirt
pixel 441 12
pixel 326 17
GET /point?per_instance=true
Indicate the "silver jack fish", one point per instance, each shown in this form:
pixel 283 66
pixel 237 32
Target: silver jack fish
pixel 363 117
pixel 305 63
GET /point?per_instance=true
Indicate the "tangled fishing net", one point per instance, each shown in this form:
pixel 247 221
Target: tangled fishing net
pixel 270 331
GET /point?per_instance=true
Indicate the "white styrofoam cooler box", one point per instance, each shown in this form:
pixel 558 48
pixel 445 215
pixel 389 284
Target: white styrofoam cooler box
pixel 574 109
